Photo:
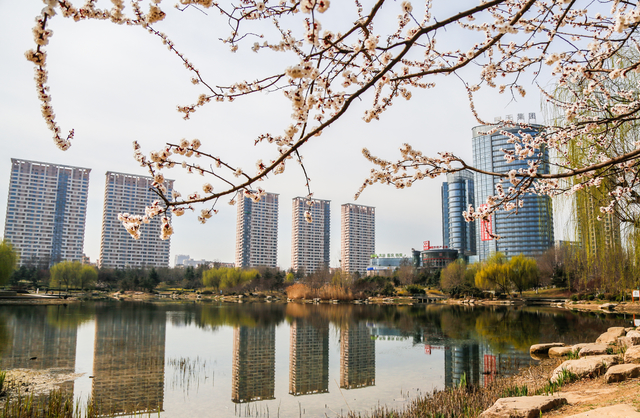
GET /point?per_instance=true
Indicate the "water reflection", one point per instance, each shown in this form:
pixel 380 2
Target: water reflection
pixel 279 356
pixel 128 366
pixel 32 342
pixel 357 357
pixel 254 363
pixel 308 358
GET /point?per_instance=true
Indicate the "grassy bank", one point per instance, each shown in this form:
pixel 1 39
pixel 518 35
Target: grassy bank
pixel 469 401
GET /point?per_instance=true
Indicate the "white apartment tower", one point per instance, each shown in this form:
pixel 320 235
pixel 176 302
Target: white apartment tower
pixel 127 193
pixel 310 240
pixel 358 236
pixel 257 232
pixel 46 211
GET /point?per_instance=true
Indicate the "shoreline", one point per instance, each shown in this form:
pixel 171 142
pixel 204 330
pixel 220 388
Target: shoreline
pixel 273 297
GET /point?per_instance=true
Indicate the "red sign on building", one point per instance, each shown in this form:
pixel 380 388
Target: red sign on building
pixel 486 228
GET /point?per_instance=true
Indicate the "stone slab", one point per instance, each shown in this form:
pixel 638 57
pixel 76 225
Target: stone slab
pixel 543 348
pixel 611 336
pixel 593 350
pixel 615 411
pixel 523 406
pixel 621 372
pixel 586 367
pixel 560 351
pixel 632 355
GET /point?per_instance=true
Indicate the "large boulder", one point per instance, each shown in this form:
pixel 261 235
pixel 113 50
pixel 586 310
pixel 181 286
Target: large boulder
pixel 543 349
pixel 608 306
pixel 632 355
pixel 593 350
pixel 621 372
pixel 615 411
pixel 586 367
pixel 611 336
pixel 523 407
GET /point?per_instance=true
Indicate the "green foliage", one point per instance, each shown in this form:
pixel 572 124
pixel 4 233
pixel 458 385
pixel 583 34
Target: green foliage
pixel 87 278
pixel 226 277
pixel 523 272
pixel 388 289
pixel 65 274
pixel 415 289
pixel 515 391
pixel 290 278
pixel 8 261
pixel 494 274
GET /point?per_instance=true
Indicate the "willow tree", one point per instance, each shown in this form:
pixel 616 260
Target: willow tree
pixel 494 274
pixel 599 226
pixel 8 261
pixel 379 51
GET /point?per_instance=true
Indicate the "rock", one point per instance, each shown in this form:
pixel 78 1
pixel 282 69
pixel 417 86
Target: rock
pixel 608 306
pixel 611 336
pixel 615 411
pixel 632 355
pixel 593 350
pixel 543 348
pixel 632 338
pixel 635 336
pixel 560 351
pixel 622 372
pixel 523 406
pixel 586 367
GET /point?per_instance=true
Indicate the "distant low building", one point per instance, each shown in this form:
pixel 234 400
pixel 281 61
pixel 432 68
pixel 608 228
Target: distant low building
pixel 385 264
pixel 438 258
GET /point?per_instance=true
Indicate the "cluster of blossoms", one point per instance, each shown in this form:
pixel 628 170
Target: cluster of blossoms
pixel 594 55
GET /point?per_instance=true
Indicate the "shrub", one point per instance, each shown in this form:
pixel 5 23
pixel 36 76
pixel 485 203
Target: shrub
pixel 600 296
pixel 415 289
pixel 574 298
pixel 388 290
pixel 590 297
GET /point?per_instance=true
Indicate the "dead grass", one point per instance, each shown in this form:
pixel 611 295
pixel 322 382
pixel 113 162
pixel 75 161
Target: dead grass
pixel 326 292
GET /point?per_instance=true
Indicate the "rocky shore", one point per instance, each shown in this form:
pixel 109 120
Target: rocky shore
pixel 599 379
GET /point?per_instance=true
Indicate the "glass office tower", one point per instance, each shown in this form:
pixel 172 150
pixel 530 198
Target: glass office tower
pixel 530 231
pixel 457 195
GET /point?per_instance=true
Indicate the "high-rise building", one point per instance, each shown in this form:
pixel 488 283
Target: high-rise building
pixel 358 237
pixel 46 211
pixel 257 232
pixel 310 240
pixel 253 373
pixel 457 195
pixel 530 230
pixel 308 358
pixel 127 193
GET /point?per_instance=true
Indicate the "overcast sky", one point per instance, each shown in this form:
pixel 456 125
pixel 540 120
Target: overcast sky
pixel 116 84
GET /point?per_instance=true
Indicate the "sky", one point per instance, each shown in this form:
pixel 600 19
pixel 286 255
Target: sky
pixel 116 84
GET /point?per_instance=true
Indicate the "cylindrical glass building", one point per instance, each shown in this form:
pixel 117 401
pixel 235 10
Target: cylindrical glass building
pixel 530 230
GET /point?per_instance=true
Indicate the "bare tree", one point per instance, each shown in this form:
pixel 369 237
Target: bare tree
pixel 375 56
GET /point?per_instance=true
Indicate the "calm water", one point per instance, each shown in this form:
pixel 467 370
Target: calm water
pixel 287 360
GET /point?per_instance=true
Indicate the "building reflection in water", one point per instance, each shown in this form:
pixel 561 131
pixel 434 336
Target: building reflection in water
pixel 357 356
pixel 128 366
pixel 308 358
pixel 36 344
pixel 477 362
pixel 253 372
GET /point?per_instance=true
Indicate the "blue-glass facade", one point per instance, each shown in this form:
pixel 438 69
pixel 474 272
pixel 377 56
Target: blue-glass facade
pixel 457 195
pixel 530 230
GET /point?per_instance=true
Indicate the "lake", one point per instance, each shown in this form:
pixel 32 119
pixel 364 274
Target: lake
pixel 267 359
